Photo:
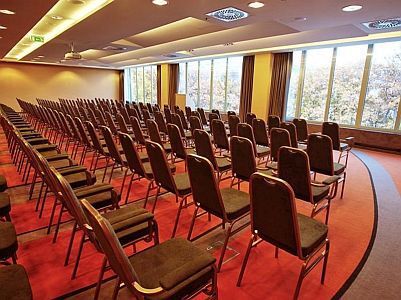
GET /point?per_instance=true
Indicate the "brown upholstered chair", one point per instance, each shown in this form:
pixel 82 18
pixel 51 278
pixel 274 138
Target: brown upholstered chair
pixel 343 145
pixel 290 127
pixel 177 120
pixel 274 219
pixel 184 121
pixel 246 131
pixel 202 116
pixel 140 138
pixel 5 207
pixel 243 160
pixel 260 132
pixel 279 137
pixel 273 122
pixel 167 114
pixel 203 146
pixel 195 123
pixel 302 129
pixel 294 168
pixel 233 121
pixel 174 269
pixel 161 124
pixel 320 152
pixel 8 242
pixel 178 150
pixel 14 283
pixel 229 205
pixel 123 125
pixel 249 118
pixel 188 112
pixel 154 135
pixel 217 112
pixel 213 116
pixel 178 184
pixel 220 138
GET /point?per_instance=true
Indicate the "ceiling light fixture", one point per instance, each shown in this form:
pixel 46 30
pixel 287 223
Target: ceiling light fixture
pixel 160 2
pixel 43 32
pixel 3 27
pixel 40 56
pixel 228 14
pixel 57 17
pixel 351 8
pixel 256 4
pixel 298 19
pixel 6 12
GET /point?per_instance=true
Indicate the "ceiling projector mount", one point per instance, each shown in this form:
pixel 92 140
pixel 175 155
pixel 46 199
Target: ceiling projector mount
pixel 72 54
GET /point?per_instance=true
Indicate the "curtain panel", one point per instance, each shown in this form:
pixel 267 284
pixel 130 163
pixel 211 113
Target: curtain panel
pixel 246 86
pixel 159 85
pixel 173 76
pixel 282 64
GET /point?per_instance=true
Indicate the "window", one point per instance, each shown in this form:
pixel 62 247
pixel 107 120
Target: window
pixel 350 63
pixel 384 87
pixel 317 71
pixel 142 86
pixel 357 86
pixel 214 83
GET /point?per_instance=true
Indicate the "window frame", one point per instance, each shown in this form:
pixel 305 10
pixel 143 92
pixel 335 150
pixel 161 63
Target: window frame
pixel 133 84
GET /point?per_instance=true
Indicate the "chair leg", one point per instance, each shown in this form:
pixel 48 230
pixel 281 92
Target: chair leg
pixel 177 218
pixel 129 188
pixel 223 251
pixel 154 204
pixel 192 223
pixel 343 185
pixel 40 195
pixel 43 202
pixel 81 245
pixel 244 263
pixel 58 224
pixel 326 257
pixel 300 280
pixel 116 289
pixel 99 282
pixel 49 226
pixel 122 185
pixel 67 257
pixel 105 169
pixel 112 170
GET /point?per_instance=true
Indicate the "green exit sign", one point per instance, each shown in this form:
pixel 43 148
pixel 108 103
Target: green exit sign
pixel 37 38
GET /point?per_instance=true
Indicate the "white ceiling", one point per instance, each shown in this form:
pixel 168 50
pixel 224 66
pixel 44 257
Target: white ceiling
pixel 150 33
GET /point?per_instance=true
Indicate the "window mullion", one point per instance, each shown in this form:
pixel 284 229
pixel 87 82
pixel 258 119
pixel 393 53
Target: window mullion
pixel 300 85
pixel 198 94
pixel 225 87
pixel 398 119
pixel 211 86
pixel 330 85
pixel 364 86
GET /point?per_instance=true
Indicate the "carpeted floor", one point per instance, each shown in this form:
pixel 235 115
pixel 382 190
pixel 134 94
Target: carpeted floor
pixel 350 230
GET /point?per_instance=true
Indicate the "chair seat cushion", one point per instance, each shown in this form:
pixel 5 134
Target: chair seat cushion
pixel 45 147
pixel 338 168
pixel 91 190
pixel 175 265
pixel 236 203
pixel 5 206
pixel 272 165
pixel 312 233
pixel 223 164
pixel 3 183
pixel 167 147
pixel 8 240
pixel 148 169
pixel 320 192
pixel 77 179
pixel 59 164
pixel 182 183
pixel 101 200
pixel 14 283
pixel 262 151
pixel 343 146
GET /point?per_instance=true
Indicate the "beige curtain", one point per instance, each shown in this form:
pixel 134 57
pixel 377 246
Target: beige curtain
pixel 159 85
pixel 282 64
pixel 246 86
pixel 173 74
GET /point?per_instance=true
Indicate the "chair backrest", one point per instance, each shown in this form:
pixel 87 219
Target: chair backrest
pixel 183 119
pixel 138 111
pixel 333 131
pixel 178 122
pixel 100 117
pixel 146 115
pixel 249 118
pixel 150 108
pixel 292 131
pixel 153 132
pixel 219 133
pixel 160 168
pixel 217 112
pixel 161 123
pixel 167 114
pixel 136 128
pixel 320 152
pixel 242 157
pixel 246 131
pixel 188 112
pixel 302 129
pixel 110 123
pixel 202 115
pixel 293 167
pixel 279 137
pixel 213 116
pixel 111 145
pixel 92 117
pixel 274 213
pixel 273 122
pixel 195 123
pixel 260 132
pixel 131 154
pixel 82 132
pixel 177 146
pixel 111 246
pixel 203 146
pixel 231 113
pixel 125 114
pixel 94 137
pixel 73 128
pixel 233 121
pixel 204 186
pixel 121 123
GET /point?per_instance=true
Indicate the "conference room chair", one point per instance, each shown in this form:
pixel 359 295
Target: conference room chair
pixel 188 112
pixel 203 116
pixel 320 152
pixel 302 129
pixel 203 146
pixel 249 118
pixel 292 130
pixel 246 131
pixel 161 124
pixel 186 134
pixel 177 184
pixel 279 137
pixel 233 121
pixel 273 122
pixel 293 167
pixel 228 204
pixel 185 270
pixel 178 150
pixel 344 146
pixel 220 138
pixel 122 125
pixel 195 123
pixel 260 132
pixel 140 137
pixel 274 219
pixel 184 120
pixel 8 242
pixel 167 114
pixel 14 282
pixel 154 136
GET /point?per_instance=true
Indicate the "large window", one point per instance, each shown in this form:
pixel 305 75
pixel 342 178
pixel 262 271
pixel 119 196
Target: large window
pixel 357 86
pixel 141 84
pixel 214 83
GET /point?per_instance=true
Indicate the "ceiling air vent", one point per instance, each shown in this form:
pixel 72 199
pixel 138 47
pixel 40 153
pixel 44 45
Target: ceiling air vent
pixel 383 24
pixel 114 48
pixel 228 14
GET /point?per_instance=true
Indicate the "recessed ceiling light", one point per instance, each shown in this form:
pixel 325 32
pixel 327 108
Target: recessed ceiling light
pixel 6 12
pixel 256 4
pixel 57 17
pixel 40 56
pixel 300 19
pixel 350 8
pixel 160 2
pixel 3 27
